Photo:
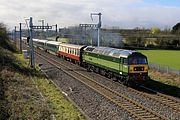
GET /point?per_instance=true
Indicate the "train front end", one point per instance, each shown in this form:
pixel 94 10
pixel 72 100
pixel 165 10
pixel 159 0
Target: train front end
pixel 138 67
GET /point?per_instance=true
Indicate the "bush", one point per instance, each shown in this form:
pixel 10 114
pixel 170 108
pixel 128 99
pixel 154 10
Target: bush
pixel 4 39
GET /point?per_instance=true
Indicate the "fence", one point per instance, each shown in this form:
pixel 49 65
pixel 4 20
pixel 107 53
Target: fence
pixel 164 69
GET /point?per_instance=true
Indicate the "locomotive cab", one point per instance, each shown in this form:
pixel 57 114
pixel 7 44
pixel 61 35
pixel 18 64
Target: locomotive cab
pixel 138 66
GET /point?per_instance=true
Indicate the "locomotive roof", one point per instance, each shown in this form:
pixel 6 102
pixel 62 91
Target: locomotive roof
pixel 72 45
pixel 114 52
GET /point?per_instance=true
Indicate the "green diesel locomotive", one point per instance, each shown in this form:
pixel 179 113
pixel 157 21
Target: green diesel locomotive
pixel 126 66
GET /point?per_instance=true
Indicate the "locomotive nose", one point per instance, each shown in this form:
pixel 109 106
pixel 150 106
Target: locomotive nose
pixel 138 68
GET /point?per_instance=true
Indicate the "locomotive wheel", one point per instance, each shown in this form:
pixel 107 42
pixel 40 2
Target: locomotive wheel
pixel 109 75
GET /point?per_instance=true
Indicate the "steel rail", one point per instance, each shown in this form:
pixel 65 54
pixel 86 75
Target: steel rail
pixel 137 110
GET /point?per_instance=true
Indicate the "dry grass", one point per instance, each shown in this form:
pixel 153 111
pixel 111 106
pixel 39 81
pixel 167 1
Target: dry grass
pixel 19 99
pixel 22 98
pixel 170 79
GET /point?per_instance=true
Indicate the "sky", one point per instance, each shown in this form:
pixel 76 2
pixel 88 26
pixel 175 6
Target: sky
pixel 125 14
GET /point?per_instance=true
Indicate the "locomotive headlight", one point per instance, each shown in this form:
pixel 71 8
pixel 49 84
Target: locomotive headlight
pixel 131 68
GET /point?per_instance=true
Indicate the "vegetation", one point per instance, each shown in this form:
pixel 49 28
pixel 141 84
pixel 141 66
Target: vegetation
pixel 168 84
pixel 155 30
pixel 62 108
pixel 176 29
pixel 64 40
pixel 19 96
pixel 169 79
pixel 169 58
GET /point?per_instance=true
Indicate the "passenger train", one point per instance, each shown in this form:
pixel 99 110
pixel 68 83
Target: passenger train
pixel 126 66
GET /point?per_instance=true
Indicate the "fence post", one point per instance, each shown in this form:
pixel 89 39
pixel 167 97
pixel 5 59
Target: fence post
pixel 158 68
pixel 167 69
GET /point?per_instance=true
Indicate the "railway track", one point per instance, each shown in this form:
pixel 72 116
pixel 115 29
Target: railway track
pixel 137 110
pixel 163 99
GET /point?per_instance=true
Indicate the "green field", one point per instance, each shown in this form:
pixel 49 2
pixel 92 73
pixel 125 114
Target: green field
pixel 64 40
pixel 169 58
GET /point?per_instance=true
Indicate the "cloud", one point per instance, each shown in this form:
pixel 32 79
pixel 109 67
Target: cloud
pixel 124 13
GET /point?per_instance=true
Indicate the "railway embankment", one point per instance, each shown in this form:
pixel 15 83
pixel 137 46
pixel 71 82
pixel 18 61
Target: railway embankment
pixel 26 94
pixel 165 83
pixel 19 98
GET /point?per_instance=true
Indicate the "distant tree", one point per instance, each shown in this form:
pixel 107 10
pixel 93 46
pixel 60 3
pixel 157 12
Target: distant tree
pixel 3 32
pixel 4 40
pixel 176 29
pixel 155 30
pixel 167 30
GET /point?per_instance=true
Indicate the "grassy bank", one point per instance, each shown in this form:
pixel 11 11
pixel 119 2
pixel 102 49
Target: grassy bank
pixel 20 98
pixel 62 108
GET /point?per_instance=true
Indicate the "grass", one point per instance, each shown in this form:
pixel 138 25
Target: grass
pixel 169 58
pixel 166 83
pixel 169 79
pixel 64 40
pixel 60 106
pixel 19 97
pixel 63 109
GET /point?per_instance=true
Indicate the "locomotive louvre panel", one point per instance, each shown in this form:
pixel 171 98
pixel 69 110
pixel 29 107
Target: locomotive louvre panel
pixel 109 62
pixel 106 62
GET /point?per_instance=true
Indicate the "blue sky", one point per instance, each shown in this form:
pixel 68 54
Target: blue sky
pixel 121 13
pixel 175 3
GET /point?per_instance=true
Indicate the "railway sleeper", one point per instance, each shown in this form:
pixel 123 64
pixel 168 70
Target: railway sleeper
pixel 142 113
pixel 172 103
pixel 149 116
pixel 154 118
pixel 138 109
